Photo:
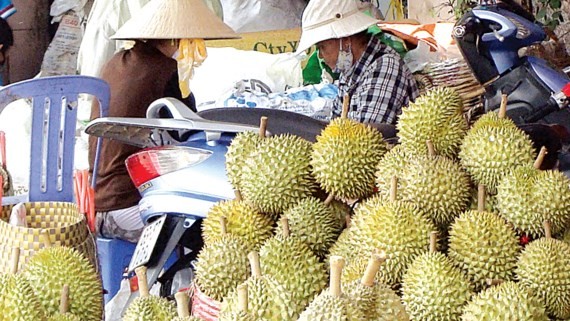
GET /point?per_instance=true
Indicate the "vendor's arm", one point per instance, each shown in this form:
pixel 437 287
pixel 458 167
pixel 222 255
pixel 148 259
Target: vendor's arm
pixel 384 89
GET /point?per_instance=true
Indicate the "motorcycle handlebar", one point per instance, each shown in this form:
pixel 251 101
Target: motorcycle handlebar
pixel 550 107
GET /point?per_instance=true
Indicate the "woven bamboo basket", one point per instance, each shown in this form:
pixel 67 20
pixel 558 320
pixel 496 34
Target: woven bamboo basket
pixel 60 221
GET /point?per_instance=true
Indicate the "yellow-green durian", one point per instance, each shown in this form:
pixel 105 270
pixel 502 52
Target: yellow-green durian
pixel 314 223
pixel 222 265
pixel 242 145
pixel 242 220
pixel 506 301
pixel 18 300
pixel 484 246
pixel 64 317
pixel 243 313
pixel 345 157
pixel 493 148
pixel 278 174
pixel 392 164
pixel 150 308
pixel 436 117
pixel 434 289
pixel 187 319
pixel 49 269
pixel 543 269
pixel 528 196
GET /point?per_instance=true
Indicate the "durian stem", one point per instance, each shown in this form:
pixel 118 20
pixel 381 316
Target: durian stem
pixel 182 305
pixel 540 157
pixel 433 242
pixel 224 225
pixel 15 260
pixel 44 236
pixel 393 188
pixel 285 227
pixel 329 199
pixel 255 264
pixel 64 300
pixel 263 127
pixel 431 148
pixel 493 282
pixel 143 282
pixel 242 297
pixel 372 269
pixel 547 229
pixel 337 264
pixel 345 106
pixel 503 108
pixel 238 195
pixel 481 198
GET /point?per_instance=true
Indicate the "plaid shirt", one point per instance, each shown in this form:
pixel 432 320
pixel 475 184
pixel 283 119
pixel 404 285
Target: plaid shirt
pixel 379 85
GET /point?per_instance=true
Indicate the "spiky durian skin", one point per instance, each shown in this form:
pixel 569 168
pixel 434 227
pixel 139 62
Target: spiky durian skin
pixel 345 157
pixel 340 210
pixel 377 302
pixel 242 220
pixel 508 301
pixel 238 152
pixel 434 289
pixel 18 300
pixel 221 266
pixel 52 268
pixel 492 148
pixel 64 317
pixel 400 229
pixel 292 263
pixel 278 174
pixel 150 308
pixel 237 316
pixel 327 307
pixel 344 246
pixel 526 199
pixel 437 185
pixel 394 163
pixel 543 269
pixel 187 319
pixel 312 222
pixel 436 117
pixel 484 246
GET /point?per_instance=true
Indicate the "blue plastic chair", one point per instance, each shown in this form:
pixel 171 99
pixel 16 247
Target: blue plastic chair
pixel 54 119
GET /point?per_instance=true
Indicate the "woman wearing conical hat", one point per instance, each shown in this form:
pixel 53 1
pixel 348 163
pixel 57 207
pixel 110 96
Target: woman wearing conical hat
pixel 169 36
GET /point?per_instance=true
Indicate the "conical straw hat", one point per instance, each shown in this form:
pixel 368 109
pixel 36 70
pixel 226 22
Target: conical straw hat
pixel 175 19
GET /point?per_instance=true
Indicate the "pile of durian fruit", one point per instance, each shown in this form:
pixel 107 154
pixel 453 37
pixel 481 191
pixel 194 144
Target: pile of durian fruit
pixel 351 228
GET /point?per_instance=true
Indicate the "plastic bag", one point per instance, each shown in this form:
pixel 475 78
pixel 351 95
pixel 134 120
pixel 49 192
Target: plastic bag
pixel 421 56
pixel 262 15
pixel 60 7
pixel 115 306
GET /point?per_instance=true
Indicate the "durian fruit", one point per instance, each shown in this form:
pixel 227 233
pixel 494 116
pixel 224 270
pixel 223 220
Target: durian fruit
pixel 222 265
pixel 64 314
pixel 436 116
pixel 314 223
pixel 242 145
pixel 345 156
pixel 332 304
pixel 493 147
pixel 243 313
pixel 17 298
pixel 528 196
pixel 242 220
pixel 294 265
pixel 506 301
pixel 278 174
pixel 398 228
pixel 392 164
pixel 49 269
pixel 341 211
pixel 148 307
pixel 374 299
pixel 434 289
pixel 542 268
pixel 484 246
pixel 183 308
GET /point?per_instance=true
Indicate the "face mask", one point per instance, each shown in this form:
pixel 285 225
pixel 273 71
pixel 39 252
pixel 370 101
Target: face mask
pixel 344 59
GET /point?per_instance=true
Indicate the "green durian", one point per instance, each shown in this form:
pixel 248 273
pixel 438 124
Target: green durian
pixel 542 268
pixel 49 269
pixel 492 148
pixel 242 145
pixel 341 211
pixel 483 246
pixel 243 313
pixel 147 307
pixel 508 301
pixel 392 164
pixel 18 300
pixel 435 116
pixel 242 220
pixel 345 156
pixel 314 223
pixel 278 174
pixel 64 317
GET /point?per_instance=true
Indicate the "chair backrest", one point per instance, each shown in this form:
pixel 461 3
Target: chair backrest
pixel 54 118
